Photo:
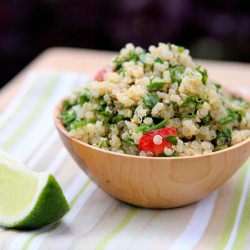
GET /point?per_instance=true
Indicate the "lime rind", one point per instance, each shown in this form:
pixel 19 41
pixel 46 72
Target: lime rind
pixel 50 207
pixel 46 205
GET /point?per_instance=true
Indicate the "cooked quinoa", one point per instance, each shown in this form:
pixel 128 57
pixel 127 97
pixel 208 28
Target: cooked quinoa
pixel 142 91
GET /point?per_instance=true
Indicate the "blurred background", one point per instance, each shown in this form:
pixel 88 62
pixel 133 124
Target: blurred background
pixel 215 29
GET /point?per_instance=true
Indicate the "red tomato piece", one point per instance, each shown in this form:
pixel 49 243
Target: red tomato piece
pixel 100 74
pixel 147 144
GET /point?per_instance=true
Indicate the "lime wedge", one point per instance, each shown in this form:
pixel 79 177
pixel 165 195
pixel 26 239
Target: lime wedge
pixel 4 157
pixel 28 200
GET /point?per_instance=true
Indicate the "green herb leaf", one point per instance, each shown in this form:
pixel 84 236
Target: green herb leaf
pixel 162 124
pixel 226 120
pixel 175 107
pixel 206 120
pixel 187 115
pixel 118 62
pixel 172 139
pixel 121 70
pixel 129 141
pixel 190 106
pixel 181 49
pixel 68 118
pixel 176 74
pixel 106 119
pixel 224 136
pixel 156 86
pixel 133 56
pixel 239 115
pixel 150 100
pixel 117 118
pixel 187 101
pixel 84 96
pixel 159 60
pixel 105 113
pixel 218 86
pixel 217 148
pixel 103 143
pixel 92 120
pixel 77 124
pixel 145 128
pixel 203 73
pixel 66 104
pixel 175 153
pixel 229 118
pixel 101 101
pixel 191 99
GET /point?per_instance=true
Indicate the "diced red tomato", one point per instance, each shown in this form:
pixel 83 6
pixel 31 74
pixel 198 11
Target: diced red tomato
pixel 100 74
pixel 147 144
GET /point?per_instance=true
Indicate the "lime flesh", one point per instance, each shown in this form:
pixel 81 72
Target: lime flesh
pixel 28 200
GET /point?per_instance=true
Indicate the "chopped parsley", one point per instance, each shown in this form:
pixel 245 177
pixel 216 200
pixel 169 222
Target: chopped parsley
pixel 159 60
pixel 84 96
pixel 217 148
pixel 190 106
pixel 181 49
pixel 176 74
pixel 103 143
pixel 175 153
pixel 117 118
pixel 172 139
pixel 218 86
pixel 224 137
pixel 68 118
pixel 162 124
pixel 145 128
pixel 92 120
pixel 206 120
pixel 77 124
pixel 129 141
pixel 150 100
pixel 203 73
pixel 156 86
pixel 67 104
pixel 118 61
pixel 231 117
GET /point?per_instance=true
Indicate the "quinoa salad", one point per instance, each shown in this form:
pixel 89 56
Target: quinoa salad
pixel 157 102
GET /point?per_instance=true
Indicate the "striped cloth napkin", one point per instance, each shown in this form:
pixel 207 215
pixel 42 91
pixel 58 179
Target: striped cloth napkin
pixel 97 221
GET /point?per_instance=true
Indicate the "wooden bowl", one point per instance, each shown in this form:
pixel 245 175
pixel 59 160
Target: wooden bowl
pixel 154 182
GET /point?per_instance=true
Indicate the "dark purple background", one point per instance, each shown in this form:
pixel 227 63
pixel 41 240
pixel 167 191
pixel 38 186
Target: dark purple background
pixel 217 29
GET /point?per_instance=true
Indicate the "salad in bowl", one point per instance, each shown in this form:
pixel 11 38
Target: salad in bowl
pixel 157 102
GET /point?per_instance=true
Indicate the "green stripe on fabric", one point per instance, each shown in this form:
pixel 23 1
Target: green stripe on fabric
pixel 11 141
pixel 103 242
pixel 28 242
pixel 233 209
pixel 57 224
pixel 82 190
pixel 21 101
pixel 24 97
pixel 244 225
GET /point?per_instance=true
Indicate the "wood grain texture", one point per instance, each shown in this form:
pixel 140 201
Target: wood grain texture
pixel 155 182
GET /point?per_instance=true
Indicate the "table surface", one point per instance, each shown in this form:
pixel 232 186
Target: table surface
pixel 89 61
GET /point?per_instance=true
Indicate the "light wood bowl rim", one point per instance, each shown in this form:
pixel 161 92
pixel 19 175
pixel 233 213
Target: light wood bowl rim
pixel 62 129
